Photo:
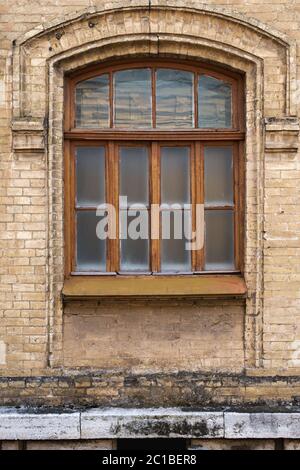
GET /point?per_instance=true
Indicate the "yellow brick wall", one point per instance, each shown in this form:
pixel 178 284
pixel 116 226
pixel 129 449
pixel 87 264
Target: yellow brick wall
pixel 206 336
pixel 159 336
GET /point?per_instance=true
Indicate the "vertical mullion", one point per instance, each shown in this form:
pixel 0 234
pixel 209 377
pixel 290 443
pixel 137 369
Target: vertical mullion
pixel 236 206
pixel 108 200
pixel 116 201
pixel 196 111
pixel 111 100
pixel 112 199
pixel 193 201
pixel 153 76
pixel 114 194
pixel 155 200
pixel 199 195
pixel 73 218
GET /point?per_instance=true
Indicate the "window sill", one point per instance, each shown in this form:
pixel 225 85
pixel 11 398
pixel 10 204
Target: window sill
pixel 223 285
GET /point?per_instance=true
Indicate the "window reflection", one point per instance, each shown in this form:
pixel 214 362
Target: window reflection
pixel 174 98
pixel 133 98
pixel 214 102
pixel 133 95
pixel 92 102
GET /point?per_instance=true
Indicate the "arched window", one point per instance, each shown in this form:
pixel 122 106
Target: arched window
pixel 155 141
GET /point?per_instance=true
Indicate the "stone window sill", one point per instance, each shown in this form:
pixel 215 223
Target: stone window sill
pixel 189 286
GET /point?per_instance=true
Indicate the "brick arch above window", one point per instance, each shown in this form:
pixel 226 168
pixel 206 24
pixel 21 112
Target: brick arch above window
pixel 156 22
pixel 182 30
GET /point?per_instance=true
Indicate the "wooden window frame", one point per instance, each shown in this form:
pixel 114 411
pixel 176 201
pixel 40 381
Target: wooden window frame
pixel 194 137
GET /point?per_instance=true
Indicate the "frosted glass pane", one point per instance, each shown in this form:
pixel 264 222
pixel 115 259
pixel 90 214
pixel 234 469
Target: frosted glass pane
pixel 134 252
pixel 134 174
pixel 91 252
pixel 133 98
pixel 214 102
pixel 176 227
pixel 90 176
pixel 219 240
pixel 218 172
pixel 92 102
pixel 175 175
pixel 174 98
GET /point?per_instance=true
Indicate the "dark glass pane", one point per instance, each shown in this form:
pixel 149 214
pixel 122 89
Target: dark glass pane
pixel 134 249
pixel 133 98
pixel 214 102
pixel 134 174
pixel 90 176
pixel 176 226
pixel 218 171
pixel 92 102
pixel 91 252
pixel 219 240
pixel 174 98
pixel 175 175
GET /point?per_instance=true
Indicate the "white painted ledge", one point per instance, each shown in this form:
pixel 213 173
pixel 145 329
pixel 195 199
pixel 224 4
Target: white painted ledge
pixel 113 423
pixel 159 422
pixel 15 424
pixel 262 425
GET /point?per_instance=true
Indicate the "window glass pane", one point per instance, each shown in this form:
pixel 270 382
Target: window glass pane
pixel 219 240
pixel 90 176
pixel 133 98
pixel 175 175
pixel 176 226
pixel 174 98
pixel 134 249
pixel 218 173
pixel 91 252
pixel 214 102
pixel 134 174
pixel 92 102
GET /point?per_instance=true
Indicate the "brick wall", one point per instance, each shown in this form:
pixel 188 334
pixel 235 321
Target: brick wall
pixel 194 444
pixel 43 339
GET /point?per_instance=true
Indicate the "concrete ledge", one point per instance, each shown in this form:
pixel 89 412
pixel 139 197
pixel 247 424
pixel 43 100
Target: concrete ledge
pixel 262 425
pixel 15 424
pixel 113 423
pixel 160 422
